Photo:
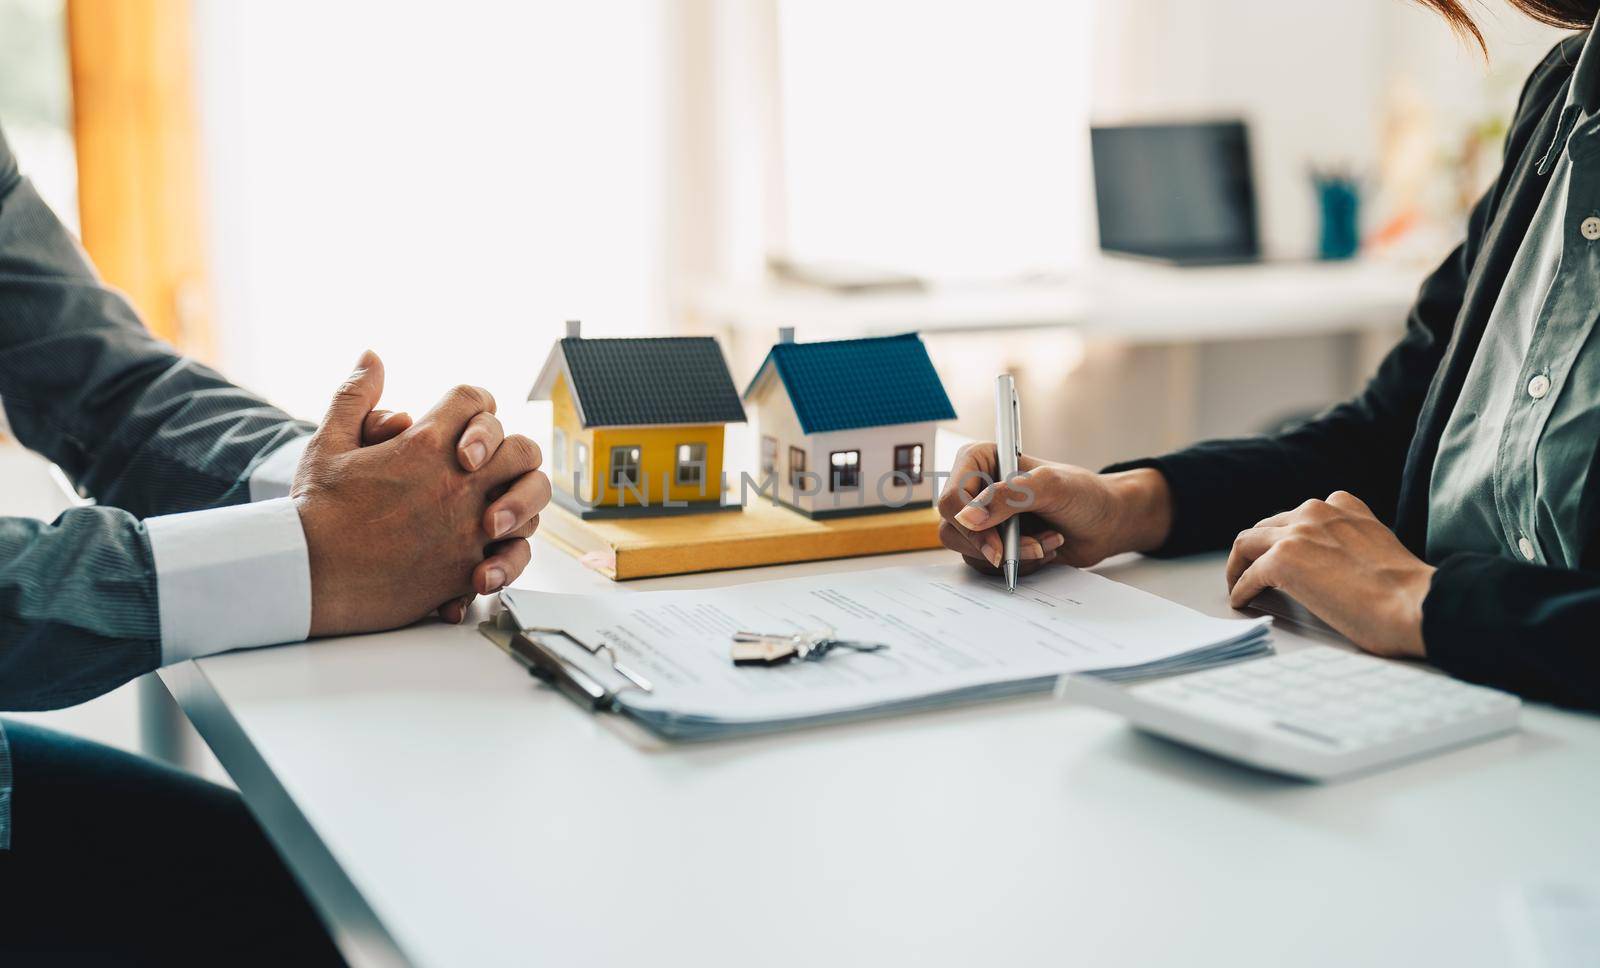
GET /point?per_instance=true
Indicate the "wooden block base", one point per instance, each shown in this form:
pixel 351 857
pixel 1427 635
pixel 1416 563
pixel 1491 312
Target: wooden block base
pixel 761 534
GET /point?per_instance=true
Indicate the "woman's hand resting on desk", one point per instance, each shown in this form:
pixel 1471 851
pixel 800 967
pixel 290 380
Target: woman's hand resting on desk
pixel 1069 514
pixel 1338 560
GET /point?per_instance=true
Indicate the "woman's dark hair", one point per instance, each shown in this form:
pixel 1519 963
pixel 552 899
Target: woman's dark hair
pixel 1577 14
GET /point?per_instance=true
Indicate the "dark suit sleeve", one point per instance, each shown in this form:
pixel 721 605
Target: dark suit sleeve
pixel 1528 628
pixel 78 608
pixel 135 425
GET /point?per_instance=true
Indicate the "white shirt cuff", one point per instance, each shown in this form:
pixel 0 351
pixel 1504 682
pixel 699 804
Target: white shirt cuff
pixel 231 577
pixel 273 476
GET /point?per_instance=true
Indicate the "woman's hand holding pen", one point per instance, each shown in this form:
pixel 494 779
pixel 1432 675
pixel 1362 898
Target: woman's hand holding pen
pixel 1069 514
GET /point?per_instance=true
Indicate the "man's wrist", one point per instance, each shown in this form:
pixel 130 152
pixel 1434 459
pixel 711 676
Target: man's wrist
pixel 1144 507
pixel 326 616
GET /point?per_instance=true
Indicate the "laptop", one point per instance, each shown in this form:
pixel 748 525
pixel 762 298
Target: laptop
pixel 1178 193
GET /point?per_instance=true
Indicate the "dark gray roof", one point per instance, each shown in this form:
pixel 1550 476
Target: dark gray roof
pixel 657 380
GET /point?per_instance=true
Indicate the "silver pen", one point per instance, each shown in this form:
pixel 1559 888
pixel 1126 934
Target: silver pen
pixel 1008 441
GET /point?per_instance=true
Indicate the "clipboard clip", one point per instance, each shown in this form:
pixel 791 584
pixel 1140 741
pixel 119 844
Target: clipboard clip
pixel 581 685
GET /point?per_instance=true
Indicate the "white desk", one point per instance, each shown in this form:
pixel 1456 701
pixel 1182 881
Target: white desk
pixel 441 803
pixel 30 489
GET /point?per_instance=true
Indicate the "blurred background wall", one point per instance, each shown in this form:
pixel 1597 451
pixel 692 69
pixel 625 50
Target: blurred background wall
pixel 449 184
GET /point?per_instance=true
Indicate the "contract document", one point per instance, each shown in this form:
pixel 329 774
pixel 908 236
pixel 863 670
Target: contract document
pixel 953 636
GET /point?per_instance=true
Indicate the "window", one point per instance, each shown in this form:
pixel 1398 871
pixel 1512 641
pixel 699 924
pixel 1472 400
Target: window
pixel 625 467
pixel 580 462
pixel 558 443
pixel 797 467
pixel 692 465
pixel 908 461
pixel 769 457
pixel 1006 189
pixel 590 217
pixel 846 474
pixel 36 99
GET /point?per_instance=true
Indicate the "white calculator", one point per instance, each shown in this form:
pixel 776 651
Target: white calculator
pixel 1318 712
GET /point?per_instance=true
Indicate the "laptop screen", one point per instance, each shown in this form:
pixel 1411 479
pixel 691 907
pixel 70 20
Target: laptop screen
pixel 1176 191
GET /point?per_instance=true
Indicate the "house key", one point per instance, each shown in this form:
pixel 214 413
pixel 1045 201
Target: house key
pixel 757 649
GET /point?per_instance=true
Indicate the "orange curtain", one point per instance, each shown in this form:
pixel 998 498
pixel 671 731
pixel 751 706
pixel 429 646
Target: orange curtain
pixel 138 168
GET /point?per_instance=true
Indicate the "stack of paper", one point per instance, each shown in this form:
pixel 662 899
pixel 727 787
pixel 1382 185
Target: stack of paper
pixel 953 636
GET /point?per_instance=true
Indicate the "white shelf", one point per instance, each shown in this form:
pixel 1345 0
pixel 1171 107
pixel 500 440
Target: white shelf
pixel 1133 301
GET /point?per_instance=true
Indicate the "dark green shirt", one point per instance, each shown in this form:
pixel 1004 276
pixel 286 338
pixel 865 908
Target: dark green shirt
pixel 1515 453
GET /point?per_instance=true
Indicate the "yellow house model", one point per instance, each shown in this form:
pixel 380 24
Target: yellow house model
pixel 638 424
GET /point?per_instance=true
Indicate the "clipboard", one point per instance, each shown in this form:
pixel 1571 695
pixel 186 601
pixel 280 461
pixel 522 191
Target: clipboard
pixel 591 676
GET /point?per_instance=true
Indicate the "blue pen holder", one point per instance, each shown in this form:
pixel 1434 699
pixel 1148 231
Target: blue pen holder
pixel 1340 202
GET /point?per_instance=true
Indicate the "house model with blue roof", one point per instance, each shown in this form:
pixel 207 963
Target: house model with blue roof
pixel 638 424
pixel 847 426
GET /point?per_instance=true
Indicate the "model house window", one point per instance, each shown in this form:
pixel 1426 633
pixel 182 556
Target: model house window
pixel 908 461
pixel 580 462
pixel 797 467
pixel 769 457
pixel 624 467
pixel 846 466
pixel 692 464
pixel 558 443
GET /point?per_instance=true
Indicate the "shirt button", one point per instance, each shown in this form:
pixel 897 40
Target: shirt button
pixel 1591 228
pixel 1526 547
pixel 1539 386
